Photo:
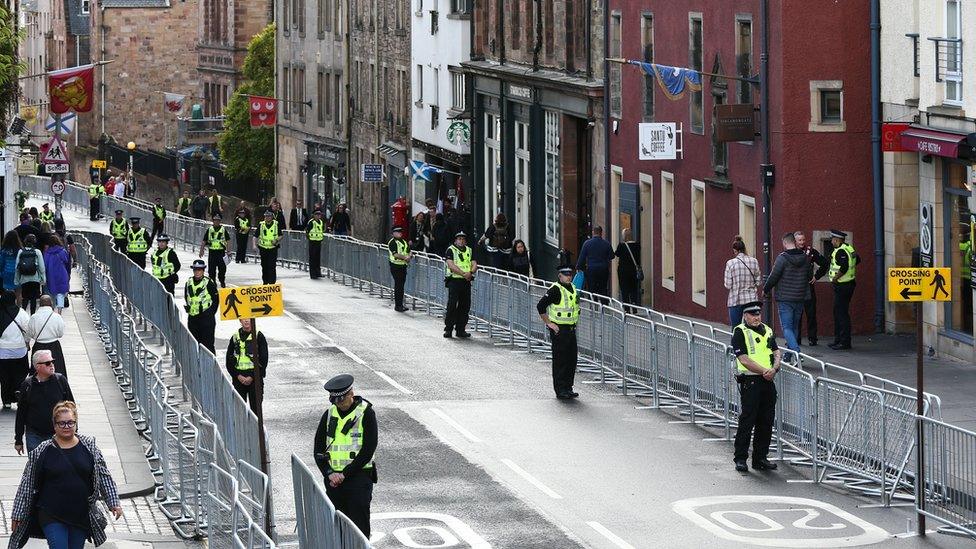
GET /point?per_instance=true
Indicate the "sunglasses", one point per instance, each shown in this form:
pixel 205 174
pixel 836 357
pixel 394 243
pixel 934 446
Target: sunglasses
pixel 65 424
pixel 47 362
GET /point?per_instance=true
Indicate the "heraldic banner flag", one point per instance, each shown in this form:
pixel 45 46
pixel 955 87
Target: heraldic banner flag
pixel 71 89
pixel 264 111
pixel 173 102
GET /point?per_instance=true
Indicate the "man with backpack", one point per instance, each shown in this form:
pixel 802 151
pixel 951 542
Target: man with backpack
pixel 30 275
pixel 35 401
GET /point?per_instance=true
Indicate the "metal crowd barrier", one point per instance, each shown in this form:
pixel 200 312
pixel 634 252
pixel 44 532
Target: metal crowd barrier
pixel 950 476
pixel 319 523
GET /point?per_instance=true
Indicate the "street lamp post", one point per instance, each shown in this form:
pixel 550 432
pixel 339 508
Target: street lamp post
pixel 132 175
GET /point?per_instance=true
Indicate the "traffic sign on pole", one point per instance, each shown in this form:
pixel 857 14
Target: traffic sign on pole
pixel 55 168
pixel 251 302
pixel 56 153
pixel 919 284
pixel 57 184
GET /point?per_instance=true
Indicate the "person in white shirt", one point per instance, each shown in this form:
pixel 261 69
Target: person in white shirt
pixel 13 348
pixel 119 191
pixel 46 328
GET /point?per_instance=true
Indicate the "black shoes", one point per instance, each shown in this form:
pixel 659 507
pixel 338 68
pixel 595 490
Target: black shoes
pixel 839 347
pixel 568 395
pixel 401 309
pixel 812 343
pixel 762 465
pixel 447 334
pixel 463 334
pixel 740 465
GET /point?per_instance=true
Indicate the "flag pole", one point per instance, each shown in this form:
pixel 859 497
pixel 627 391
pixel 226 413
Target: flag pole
pixel 95 64
pixel 712 74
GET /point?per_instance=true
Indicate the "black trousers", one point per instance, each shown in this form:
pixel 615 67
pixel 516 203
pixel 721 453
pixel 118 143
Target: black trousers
pixel 248 393
pixel 170 283
pixel 353 497
pixel 139 258
pixel 630 293
pixel 93 208
pixel 156 230
pixel 756 419
pixel 564 358
pixel 597 280
pixel 269 265
pixel 12 374
pixel 202 329
pixel 810 313
pixel 217 267
pixel 458 304
pixel 842 312
pixel 315 258
pixel 399 273
pixel 30 292
pixel 241 249
pixel 120 244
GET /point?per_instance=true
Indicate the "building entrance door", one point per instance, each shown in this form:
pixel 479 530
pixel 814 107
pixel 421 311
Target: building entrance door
pixel 522 183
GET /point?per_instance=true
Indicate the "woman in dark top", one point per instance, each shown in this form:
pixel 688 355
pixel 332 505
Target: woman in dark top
pixel 441 236
pixel 54 500
pixel 341 223
pixel 519 260
pixel 628 254
pixel 418 233
pixel 497 240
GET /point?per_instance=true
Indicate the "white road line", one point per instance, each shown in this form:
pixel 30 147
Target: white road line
pixel 614 538
pixel 319 333
pixel 313 373
pixel 457 426
pixel 531 479
pixel 392 382
pixel 351 355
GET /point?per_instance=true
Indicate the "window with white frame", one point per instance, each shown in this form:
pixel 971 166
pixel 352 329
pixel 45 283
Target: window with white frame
pixel 437 87
pixel 827 106
pixel 553 183
pixel 457 90
pixel 667 230
pixel 747 222
pixel 698 250
pixel 696 61
pixel 953 55
pixel 420 85
pixel 493 164
pixel 85 6
pixel 616 79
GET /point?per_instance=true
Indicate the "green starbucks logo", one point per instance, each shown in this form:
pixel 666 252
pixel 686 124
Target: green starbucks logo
pixel 458 132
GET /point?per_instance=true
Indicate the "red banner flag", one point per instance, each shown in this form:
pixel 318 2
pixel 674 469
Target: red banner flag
pixel 173 102
pixel 264 111
pixel 71 89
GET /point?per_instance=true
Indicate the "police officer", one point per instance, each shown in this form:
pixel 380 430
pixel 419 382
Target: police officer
pixel 345 442
pixel 95 191
pixel 758 359
pixel 200 294
pixel 137 243
pixel 240 361
pixel 560 311
pixel 46 215
pixel 119 230
pixel 400 256
pixel 183 204
pixel 165 264
pixel 268 235
pixel 242 229
pixel 215 240
pixel 843 271
pixel 315 231
pixel 159 215
pixel 460 272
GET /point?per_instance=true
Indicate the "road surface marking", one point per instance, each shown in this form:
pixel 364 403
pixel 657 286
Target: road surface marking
pixel 531 479
pixel 438 523
pixel 614 538
pixel 351 355
pixel 391 381
pixel 313 373
pixel 319 333
pixel 457 426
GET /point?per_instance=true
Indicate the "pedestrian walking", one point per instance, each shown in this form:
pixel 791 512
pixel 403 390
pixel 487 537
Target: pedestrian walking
pixel 200 295
pixel 269 237
pixel 299 217
pixel 165 264
pixel 121 188
pixel 340 223
pixel 158 218
pixel 629 271
pixel 820 265
pixel 594 260
pixel 345 443
pixel 242 230
pixel 13 348
pixel 743 280
pixel 46 328
pixel 400 256
pixel 460 271
pixel 46 215
pixel 183 204
pixel 137 243
pixel 215 241
pixel 559 309
pixel 95 192
pixel 31 273
pixel 57 269
pixel 520 261
pixel 63 480
pixel 497 241
pixel 38 395
pixel 790 276
pixel 25 228
pixel 118 228
pixel 315 232
pixel 199 205
pixel 241 365
pixel 842 274
pixel 758 361
pixel 214 203
pixel 8 260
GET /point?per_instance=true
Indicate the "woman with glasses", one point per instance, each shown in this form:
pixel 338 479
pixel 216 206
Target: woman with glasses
pixel 37 397
pixel 63 479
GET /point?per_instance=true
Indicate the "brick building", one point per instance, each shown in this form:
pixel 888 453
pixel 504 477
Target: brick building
pixel 225 29
pixel 536 72
pixel 686 212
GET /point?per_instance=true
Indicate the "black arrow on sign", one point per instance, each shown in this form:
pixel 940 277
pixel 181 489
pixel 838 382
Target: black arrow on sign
pixel 265 310
pixel 904 293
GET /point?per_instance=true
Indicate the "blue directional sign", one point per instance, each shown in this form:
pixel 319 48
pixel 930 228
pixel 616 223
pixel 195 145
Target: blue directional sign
pixel 371 173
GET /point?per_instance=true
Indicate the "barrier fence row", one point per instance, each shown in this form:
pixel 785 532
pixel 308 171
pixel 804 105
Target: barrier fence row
pixel 846 425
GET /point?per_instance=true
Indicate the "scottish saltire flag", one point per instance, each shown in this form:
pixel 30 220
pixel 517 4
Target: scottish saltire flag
pixel 67 123
pixel 673 80
pixel 423 170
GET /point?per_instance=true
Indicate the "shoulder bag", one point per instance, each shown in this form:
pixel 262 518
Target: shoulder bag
pixel 638 270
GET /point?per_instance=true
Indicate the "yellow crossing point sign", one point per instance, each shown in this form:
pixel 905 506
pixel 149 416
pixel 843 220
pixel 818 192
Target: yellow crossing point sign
pixel 99 164
pixel 918 284
pixel 251 302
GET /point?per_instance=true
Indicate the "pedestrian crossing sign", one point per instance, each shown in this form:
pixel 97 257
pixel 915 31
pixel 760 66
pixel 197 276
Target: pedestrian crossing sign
pixel 251 302
pixel 915 284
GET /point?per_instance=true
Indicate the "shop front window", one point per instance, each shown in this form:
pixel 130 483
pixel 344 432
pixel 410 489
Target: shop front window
pixel 959 208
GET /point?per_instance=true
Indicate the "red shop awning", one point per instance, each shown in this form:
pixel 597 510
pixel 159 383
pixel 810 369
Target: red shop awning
pixel 932 142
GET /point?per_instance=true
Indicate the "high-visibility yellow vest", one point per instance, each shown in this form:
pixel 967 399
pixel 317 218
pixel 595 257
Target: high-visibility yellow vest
pixel 316 230
pixel 267 234
pixel 243 225
pixel 162 266
pixel 244 361
pixel 183 206
pixel 402 249
pixel 851 273
pixel 757 348
pixel 95 190
pixel 462 260
pixel 567 311
pixel 138 243
pixel 46 217
pixel 197 296
pixel 966 248
pixel 346 439
pixel 119 228
pixel 159 212
pixel 217 238
pixel 215 201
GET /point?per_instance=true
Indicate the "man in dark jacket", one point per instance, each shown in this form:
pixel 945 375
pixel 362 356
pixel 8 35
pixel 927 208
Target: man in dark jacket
pixel 35 401
pixel 820 264
pixel 594 260
pixel 199 205
pixel 790 276
pixel 241 359
pixel 298 218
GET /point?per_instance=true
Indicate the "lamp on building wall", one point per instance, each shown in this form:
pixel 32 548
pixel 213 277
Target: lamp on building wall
pixel 132 149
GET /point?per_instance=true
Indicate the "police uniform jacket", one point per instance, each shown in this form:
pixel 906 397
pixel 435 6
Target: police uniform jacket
pixel 364 456
pixel 233 347
pixel 214 303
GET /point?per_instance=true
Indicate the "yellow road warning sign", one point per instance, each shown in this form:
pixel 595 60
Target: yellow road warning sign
pixel 99 164
pixel 916 284
pixel 251 302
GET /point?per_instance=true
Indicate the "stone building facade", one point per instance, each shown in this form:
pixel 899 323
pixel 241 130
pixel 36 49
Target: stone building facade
pixel 225 29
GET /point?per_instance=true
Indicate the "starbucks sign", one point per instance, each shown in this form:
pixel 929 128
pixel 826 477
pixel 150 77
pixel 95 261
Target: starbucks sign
pixel 459 132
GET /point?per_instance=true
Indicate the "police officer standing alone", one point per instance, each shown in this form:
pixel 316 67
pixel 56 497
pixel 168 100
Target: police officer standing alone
pixel 119 230
pixel 215 240
pixel 315 230
pixel 559 310
pixel 95 191
pixel 242 229
pixel 159 216
pixel 345 442
pixel 268 235
pixel 46 215
pixel 183 204
pixel 200 294
pixel 400 256
pixel 240 361
pixel 460 272
pixel 843 270
pixel 137 243
pixel 758 360
pixel 165 264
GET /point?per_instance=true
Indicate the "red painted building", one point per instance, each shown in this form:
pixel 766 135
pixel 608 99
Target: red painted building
pixel 685 212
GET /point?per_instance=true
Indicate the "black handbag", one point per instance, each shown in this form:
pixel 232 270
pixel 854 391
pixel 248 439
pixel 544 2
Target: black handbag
pixel 638 270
